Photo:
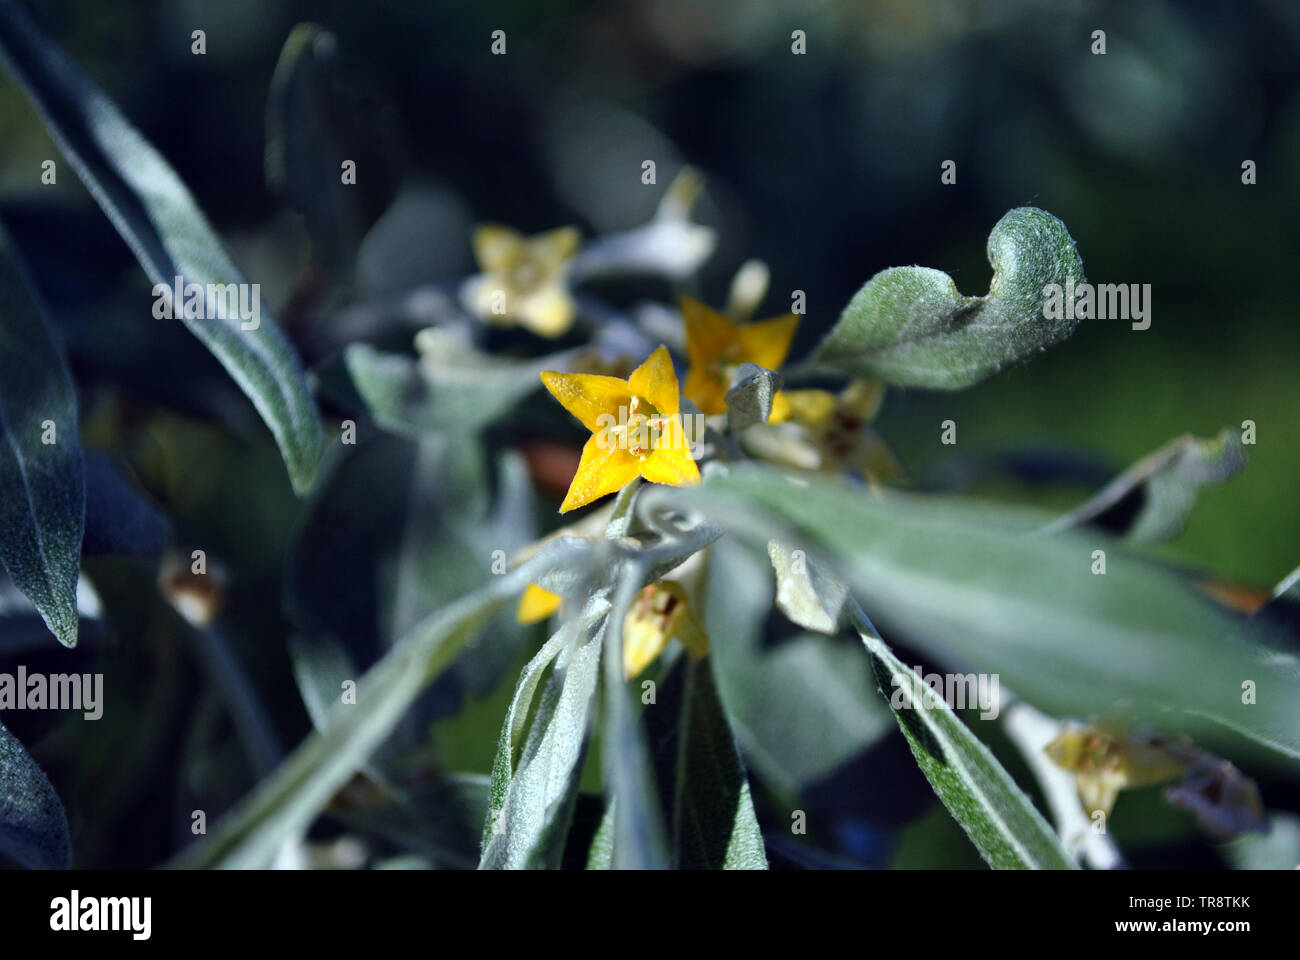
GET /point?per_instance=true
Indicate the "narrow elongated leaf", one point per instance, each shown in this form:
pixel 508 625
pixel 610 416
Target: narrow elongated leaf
pixel 1151 500
pixel 532 794
pixel 168 234
pixel 33 829
pixel 999 819
pixel 963 580
pixel 714 826
pixel 286 802
pixel 304 155
pixel 909 325
pixel 638 840
pixel 42 481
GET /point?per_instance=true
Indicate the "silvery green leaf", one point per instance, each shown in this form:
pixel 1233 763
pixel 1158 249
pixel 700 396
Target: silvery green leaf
pixel 981 796
pixel 962 580
pixel 320 669
pixel 800 708
pixel 1165 485
pixel 22 628
pixel 910 327
pixel 452 387
pixel 285 804
pixel 600 855
pixel 749 401
pixel 42 483
pixel 713 823
pixel 33 828
pixel 639 838
pixel 804 592
pixel 535 773
pixel 155 214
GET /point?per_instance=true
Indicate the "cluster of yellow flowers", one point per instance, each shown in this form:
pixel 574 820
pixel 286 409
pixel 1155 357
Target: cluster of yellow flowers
pixel 636 423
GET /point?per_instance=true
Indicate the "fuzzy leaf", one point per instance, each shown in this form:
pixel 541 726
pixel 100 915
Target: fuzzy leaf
pixel 535 773
pixel 1164 484
pixel 452 388
pixel 749 401
pixel 155 214
pixel 963 580
pixel 42 485
pixel 33 828
pixel 981 796
pixel 714 826
pixel 910 327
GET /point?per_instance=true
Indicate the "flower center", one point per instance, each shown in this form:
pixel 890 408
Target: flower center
pixel 525 276
pixel 639 429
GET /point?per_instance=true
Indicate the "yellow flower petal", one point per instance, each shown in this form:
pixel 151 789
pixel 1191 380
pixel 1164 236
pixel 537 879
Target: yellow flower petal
pixel 553 248
pixel 671 462
pixel 780 408
pixel 705 390
pixel 708 332
pixel 767 342
pixel 496 248
pixel 812 408
pixel 603 470
pixel 657 382
pixel 588 395
pixel 662 613
pixel 547 311
pixel 536 604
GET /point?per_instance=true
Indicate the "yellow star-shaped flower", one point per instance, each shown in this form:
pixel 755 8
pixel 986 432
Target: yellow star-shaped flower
pixel 524 279
pixel 636 429
pixel 661 614
pixel 716 347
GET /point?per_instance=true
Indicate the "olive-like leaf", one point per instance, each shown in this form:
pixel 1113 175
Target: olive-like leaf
pixel 163 226
pixel 33 828
pixel 42 480
pixel 535 773
pixel 639 841
pixel 285 803
pixel 981 796
pixel 1151 500
pixel 910 327
pixel 965 581
pixel 713 823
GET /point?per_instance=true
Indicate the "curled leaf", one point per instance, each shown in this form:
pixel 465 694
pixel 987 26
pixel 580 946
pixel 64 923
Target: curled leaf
pixel 909 326
pixel 1151 500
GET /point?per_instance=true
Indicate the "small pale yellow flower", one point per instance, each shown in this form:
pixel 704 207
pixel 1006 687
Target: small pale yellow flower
pixel 826 431
pixel 716 346
pixel 661 614
pixel 1105 763
pixel 636 429
pixel 524 279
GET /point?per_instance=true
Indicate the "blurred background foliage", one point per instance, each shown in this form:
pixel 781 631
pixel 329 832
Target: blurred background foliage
pixel 824 165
